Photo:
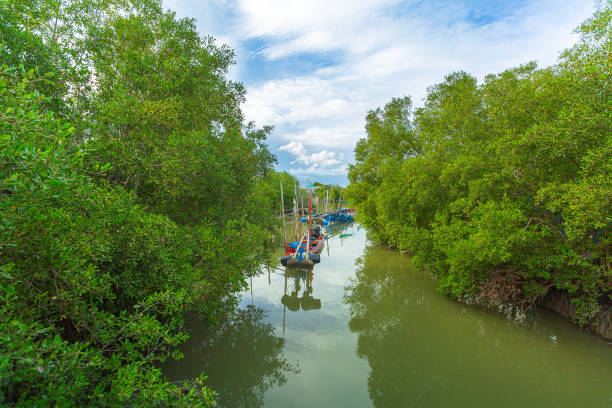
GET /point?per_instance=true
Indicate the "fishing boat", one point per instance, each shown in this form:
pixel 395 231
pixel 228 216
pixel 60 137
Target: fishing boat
pixel 339 215
pixel 306 252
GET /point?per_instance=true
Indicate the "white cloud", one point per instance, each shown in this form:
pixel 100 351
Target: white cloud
pixel 286 17
pixel 316 41
pixel 295 148
pixel 377 50
pixel 333 135
pixel 321 160
pixel 291 101
pixel 316 171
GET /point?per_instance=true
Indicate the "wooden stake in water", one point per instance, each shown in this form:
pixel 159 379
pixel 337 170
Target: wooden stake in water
pixel 283 213
pixel 295 211
pixel 294 220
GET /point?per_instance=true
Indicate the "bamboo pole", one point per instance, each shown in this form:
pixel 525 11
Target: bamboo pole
pixel 295 209
pixel 306 260
pixel 284 306
pixel 295 215
pixel 309 229
pixel 309 216
pixel 283 213
pixel 295 254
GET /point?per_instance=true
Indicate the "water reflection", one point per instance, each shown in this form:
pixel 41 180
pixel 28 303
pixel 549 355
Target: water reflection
pixel 425 350
pixel 342 230
pixel 377 333
pixel 298 289
pixel 293 301
pixel 242 359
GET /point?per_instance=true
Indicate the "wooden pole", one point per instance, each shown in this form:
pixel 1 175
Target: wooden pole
pixel 307 243
pixel 295 214
pixel 326 199
pixel 296 253
pixel 302 206
pixel 309 228
pixel 301 212
pixel 284 306
pixel 283 213
pixel 295 209
pixel 309 216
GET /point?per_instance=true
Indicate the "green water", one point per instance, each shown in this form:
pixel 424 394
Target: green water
pixel 376 333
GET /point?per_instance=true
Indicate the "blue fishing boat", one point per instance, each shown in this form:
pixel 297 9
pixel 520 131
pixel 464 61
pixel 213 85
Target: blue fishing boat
pixel 339 215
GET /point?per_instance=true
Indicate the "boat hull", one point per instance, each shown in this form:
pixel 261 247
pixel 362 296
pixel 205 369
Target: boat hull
pixel 304 263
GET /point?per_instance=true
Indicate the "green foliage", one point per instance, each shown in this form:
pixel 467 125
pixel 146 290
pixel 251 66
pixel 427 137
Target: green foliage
pixel 333 193
pixel 508 180
pixel 270 189
pixel 244 340
pixel 128 197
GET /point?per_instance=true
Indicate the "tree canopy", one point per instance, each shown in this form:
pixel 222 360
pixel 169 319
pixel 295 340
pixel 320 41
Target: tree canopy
pixel 130 195
pixel 502 189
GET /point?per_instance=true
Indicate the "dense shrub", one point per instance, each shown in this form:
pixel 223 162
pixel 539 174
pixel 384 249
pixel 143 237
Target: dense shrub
pixel 129 196
pixel 502 189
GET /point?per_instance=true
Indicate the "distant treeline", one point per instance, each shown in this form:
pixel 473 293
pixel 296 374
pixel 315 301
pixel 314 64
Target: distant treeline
pixel 502 189
pixel 131 193
pixel 331 192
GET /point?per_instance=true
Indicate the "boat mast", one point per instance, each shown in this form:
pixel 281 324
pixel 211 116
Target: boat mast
pixel 308 233
pixel 295 210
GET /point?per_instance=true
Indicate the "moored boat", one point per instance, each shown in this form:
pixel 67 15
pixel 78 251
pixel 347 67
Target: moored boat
pixel 306 252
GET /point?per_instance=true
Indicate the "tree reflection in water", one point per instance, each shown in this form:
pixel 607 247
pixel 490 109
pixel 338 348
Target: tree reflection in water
pixel 242 358
pixel 425 350
pixel 382 303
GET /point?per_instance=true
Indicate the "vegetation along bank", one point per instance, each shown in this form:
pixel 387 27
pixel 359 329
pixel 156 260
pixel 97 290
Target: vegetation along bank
pixel 502 189
pixel 132 192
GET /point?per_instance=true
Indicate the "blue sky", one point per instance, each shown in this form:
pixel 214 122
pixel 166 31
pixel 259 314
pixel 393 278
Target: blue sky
pixel 313 68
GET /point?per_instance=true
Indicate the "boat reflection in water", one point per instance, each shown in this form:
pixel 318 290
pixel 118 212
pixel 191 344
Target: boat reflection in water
pixel 300 294
pixel 340 229
pixel 298 291
pixel 293 301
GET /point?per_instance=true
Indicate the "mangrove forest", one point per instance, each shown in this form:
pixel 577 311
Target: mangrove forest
pixel 502 189
pixel 156 252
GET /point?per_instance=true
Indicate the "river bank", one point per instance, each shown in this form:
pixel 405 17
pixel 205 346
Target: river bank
pixel 556 301
pixel 560 303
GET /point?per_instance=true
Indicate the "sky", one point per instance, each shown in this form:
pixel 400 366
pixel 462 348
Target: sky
pixel 314 68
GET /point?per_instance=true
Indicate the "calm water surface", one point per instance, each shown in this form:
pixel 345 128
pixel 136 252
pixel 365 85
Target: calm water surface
pixel 366 329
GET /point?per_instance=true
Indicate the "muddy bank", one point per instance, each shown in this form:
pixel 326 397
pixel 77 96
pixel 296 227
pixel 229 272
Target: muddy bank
pixel 560 302
pixel 556 301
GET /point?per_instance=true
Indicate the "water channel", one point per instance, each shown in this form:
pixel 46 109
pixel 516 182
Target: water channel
pixel 365 329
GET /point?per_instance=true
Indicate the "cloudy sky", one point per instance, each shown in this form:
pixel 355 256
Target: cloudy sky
pixel 313 68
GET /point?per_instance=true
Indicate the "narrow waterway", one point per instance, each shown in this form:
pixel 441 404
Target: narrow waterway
pixel 366 329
